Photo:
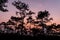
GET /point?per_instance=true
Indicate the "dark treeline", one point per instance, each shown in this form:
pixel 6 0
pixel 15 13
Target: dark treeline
pixel 18 26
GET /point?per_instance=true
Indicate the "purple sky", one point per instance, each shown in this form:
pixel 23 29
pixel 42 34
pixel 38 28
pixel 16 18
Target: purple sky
pixel 53 6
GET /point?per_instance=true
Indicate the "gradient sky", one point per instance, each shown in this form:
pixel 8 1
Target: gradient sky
pixel 53 6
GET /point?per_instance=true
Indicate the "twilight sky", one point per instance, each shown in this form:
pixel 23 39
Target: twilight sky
pixel 53 6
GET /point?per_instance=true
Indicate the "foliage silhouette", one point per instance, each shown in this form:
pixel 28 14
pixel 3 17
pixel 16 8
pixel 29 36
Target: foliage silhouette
pixel 58 26
pixel 44 18
pixel 17 24
pixel 30 19
pixel 21 6
pixel 2 5
pixel 42 14
pixel 10 23
pixel 35 31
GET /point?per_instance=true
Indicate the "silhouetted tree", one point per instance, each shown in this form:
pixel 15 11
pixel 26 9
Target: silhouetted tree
pixel 22 7
pixel 18 22
pixel 43 16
